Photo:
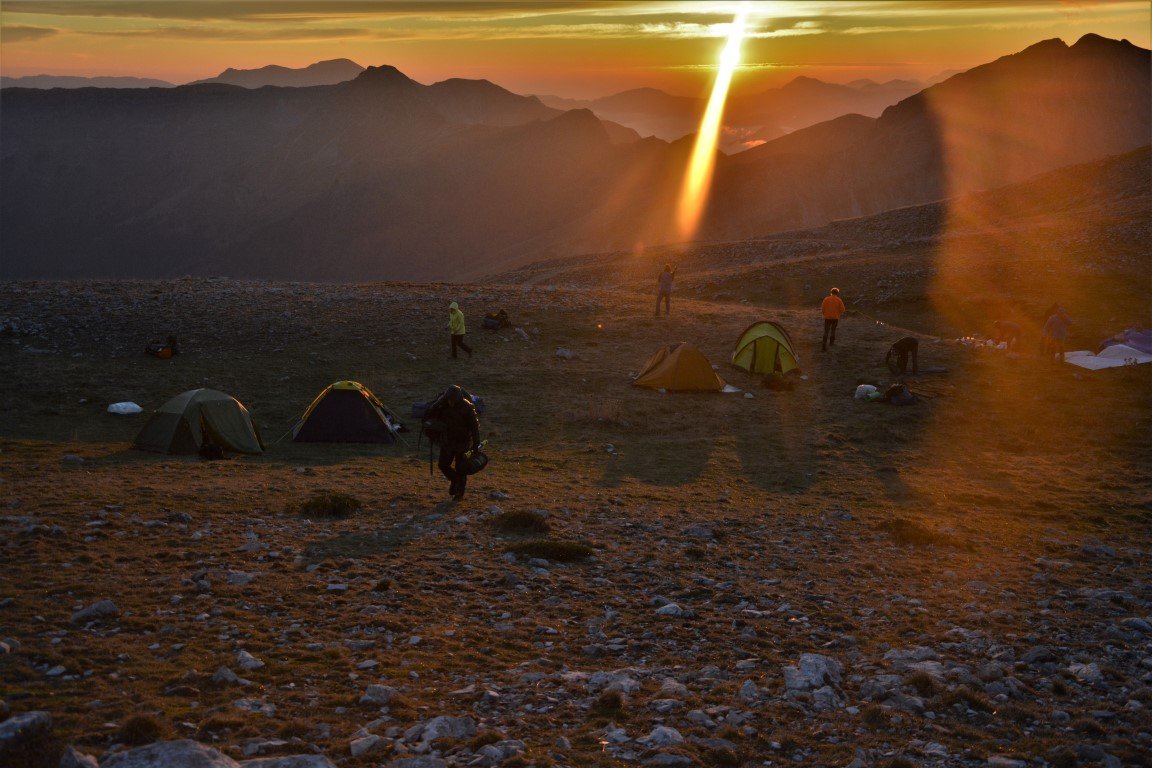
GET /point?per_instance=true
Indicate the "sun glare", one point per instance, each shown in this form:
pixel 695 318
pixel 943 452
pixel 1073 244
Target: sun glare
pixel 698 177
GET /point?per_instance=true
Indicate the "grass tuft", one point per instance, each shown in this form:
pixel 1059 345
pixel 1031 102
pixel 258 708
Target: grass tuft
pixel 329 504
pixel 550 549
pixel 923 682
pixel 910 532
pixel 141 729
pixel 610 703
pixel 521 522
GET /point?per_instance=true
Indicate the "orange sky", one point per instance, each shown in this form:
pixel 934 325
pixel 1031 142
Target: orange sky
pixel 579 49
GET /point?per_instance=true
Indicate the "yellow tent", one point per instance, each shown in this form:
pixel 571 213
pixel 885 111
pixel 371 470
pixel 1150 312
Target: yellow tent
pixel 765 348
pixel 679 367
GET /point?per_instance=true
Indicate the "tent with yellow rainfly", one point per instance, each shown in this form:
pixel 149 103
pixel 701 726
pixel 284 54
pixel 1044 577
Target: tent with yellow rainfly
pixel 765 348
pixel 346 412
pixel 679 367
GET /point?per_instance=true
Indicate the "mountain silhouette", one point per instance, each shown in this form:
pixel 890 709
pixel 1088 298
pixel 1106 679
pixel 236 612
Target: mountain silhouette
pixel 321 73
pixel 382 177
pixel 71 81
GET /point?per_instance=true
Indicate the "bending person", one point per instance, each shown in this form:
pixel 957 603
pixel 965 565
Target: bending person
pixel 903 349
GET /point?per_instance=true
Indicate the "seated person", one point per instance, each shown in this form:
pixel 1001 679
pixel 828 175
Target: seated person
pixel 904 348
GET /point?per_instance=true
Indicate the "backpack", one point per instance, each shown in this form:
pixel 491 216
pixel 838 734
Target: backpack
pixel 494 321
pixel 899 394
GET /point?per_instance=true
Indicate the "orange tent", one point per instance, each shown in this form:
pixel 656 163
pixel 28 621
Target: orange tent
pixel 679 367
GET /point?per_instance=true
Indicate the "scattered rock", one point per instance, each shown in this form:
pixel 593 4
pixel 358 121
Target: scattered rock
pixel 171 754
pixel 103 609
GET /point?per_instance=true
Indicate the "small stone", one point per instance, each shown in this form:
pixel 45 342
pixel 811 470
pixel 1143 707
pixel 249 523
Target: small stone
pixel 73 759
pixel 662 736
pixel 365 745
pixel 102 609
pixel 247 661
pixel 378 694
pixel 170 753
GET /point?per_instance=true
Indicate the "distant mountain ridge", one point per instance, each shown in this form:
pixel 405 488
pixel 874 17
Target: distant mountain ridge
pixel 321 73
pixel 750 118
pixel 70 81
pixel 382 177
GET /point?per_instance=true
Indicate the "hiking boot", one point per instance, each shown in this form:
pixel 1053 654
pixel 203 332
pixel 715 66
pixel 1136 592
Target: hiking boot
pixel 453 489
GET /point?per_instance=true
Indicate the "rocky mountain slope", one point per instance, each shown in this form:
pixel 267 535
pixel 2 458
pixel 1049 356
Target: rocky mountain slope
pixel 637 579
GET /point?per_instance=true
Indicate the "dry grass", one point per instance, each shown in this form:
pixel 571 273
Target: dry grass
pixel 799 485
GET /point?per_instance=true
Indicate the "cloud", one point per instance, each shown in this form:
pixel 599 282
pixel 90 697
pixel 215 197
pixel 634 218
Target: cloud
pixel 17 33
pixel 249 34
pixel 297 10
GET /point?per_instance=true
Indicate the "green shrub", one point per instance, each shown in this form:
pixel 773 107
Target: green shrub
pixel 141 729
pixel 520 521
pixel 329 504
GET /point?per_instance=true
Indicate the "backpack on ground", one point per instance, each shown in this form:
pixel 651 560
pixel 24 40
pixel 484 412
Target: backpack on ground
pixel 494 321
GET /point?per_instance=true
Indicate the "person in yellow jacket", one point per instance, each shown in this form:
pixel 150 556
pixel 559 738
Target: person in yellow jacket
pixel 456 327
pixel 832 308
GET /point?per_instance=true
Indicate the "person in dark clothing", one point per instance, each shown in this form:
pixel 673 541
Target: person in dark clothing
pixel 907 346
pixel 461 434
pixel 664 290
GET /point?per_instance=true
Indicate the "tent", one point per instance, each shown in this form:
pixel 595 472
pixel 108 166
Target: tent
pixel 679 367
pixel 182 423
pixel 765 348
pixel 1115 356
pixel 346 412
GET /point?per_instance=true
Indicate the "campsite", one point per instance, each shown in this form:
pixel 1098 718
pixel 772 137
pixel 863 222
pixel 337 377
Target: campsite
pixel 971 572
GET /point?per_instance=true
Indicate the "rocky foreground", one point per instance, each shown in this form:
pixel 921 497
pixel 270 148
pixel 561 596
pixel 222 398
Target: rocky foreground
pixel 789 578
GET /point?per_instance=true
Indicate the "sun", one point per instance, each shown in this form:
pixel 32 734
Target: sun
pixel 698 177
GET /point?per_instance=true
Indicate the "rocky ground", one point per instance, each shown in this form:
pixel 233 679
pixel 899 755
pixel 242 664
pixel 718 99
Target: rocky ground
pixel 783 578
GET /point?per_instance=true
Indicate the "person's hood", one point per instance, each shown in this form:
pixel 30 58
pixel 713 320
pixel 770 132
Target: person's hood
pixel 454 306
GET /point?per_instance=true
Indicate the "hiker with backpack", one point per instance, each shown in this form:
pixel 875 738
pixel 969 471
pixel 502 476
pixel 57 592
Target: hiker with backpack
pixel 831 308
pixel 664 285
pixel 457 329
pixel 451 421
pixel 903 349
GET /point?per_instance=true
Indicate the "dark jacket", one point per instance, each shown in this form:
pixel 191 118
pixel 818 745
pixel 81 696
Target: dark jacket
pixel 461 427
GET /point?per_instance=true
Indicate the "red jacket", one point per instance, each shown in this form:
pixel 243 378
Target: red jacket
pixel 832 307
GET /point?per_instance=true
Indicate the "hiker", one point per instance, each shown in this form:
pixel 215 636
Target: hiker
pixel 457 329
pixel 1055 332
pixel 905 347
pixel 1008 332
pixel 832 308
pixel 459 435
pixel 665 289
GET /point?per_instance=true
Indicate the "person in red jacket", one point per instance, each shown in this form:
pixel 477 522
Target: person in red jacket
pixel 832 308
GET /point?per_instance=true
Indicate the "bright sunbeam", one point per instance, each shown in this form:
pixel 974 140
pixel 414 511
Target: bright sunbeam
pixel 698 178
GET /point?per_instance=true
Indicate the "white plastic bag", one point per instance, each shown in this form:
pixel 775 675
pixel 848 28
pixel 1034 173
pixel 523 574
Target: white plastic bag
pixel 125 409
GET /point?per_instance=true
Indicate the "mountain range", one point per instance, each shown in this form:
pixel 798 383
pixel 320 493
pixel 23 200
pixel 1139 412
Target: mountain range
pixel 321 73
pixel 749 119
pixel 69 81
pixel 381 177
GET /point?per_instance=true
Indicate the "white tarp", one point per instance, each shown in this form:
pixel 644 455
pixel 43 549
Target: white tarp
pixel 1114 356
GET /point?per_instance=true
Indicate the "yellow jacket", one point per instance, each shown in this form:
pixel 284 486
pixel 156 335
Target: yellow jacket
pixel 455 320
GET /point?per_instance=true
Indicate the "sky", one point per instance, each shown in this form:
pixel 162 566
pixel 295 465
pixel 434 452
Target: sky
pixel 575 49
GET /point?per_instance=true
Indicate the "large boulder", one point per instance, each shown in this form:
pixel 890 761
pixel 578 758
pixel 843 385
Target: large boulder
pixel 184 753
pixel 289 761
pixel 23 737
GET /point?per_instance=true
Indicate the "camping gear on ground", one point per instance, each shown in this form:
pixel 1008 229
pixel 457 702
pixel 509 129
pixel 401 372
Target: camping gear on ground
pixel 187 421
pixel 127 408
pixel 1141 341
pixel 347 412
pixel 863 391
pixel 494 321
pixel 898 394
pixel 162 349
pixel 765 347
pixel 679 367
pixel 1115 356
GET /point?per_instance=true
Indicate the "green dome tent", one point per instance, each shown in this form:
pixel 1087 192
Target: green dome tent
pixel 765 348
pixel 182 424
